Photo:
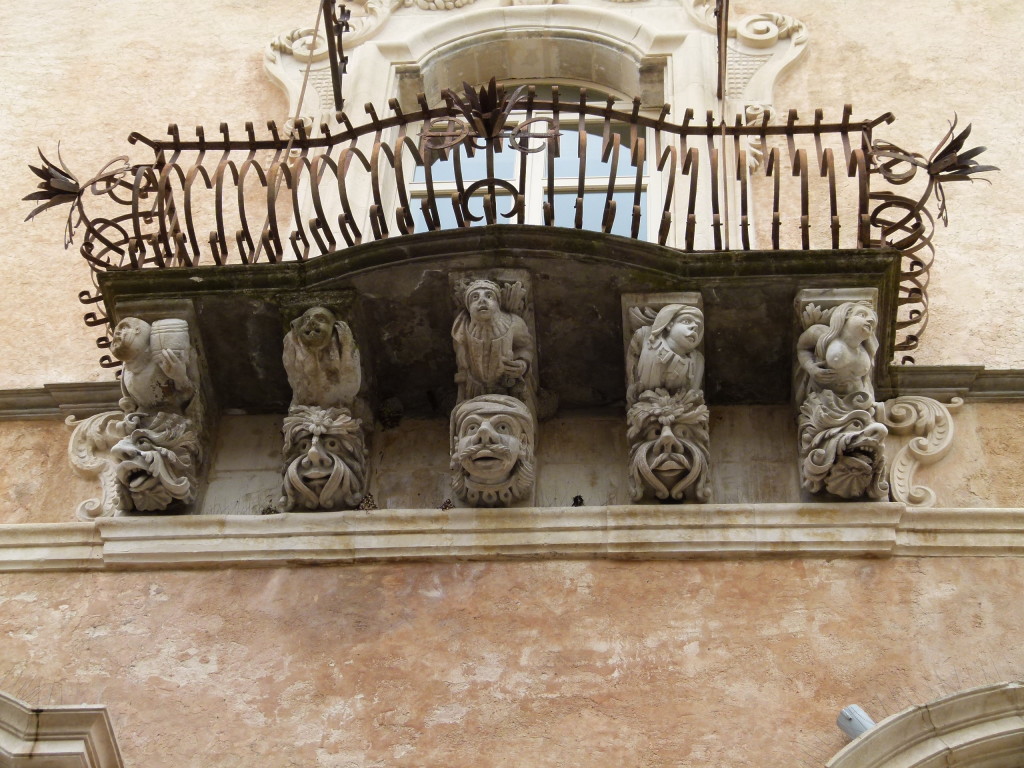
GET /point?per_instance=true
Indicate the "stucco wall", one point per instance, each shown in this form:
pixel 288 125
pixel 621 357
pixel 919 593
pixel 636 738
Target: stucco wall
pixel 492 664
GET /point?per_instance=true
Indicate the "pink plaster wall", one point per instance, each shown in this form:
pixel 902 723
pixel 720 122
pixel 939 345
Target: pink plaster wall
pixel 508 664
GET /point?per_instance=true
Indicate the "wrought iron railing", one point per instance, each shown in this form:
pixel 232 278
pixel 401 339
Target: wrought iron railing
pixel 485 157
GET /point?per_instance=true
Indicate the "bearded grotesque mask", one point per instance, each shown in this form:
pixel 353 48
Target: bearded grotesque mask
pixel 492 450
pixel 669 455
pixel 842 447
pixel 155 463
pixel 325 459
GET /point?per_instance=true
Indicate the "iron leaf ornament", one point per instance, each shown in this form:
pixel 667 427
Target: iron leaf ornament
pixel 947 162
pixel 59 186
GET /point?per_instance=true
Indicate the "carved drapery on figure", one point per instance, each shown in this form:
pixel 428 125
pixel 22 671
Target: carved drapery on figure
pixel 147 455
pixel 494 349
pixel 492 440
pixel 324 446
pixel 841 443
pixel 667 421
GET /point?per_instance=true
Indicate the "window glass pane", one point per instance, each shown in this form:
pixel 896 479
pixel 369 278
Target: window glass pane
pixel 473 168
pixel 446 212
pixel 593 211
pixel 567 164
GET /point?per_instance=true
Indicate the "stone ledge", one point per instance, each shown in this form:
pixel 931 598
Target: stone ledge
pixel 649 532
pixel 58 401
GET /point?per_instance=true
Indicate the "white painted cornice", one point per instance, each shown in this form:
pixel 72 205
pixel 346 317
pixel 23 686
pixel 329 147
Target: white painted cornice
pixel 641 532
pixel 56 737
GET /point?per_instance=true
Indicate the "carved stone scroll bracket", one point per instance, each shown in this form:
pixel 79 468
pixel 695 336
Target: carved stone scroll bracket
pixel 89 454
pixel 667 420
pixel 931 423
pixel 841 444
pixel 147 457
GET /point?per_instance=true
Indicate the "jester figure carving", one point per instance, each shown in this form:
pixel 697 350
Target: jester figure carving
pixel 667 421
pixel 324 446
pixel 494 349
pixel 841 443
pixel 148 454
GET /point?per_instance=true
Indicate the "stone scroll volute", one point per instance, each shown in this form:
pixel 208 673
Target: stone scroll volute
pixel 841 442
pixel 147 456
pixel 667 420
pixel 325 456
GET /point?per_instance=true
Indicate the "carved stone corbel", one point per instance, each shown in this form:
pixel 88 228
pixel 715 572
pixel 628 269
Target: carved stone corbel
pixel 667 420
pixel 148 455
pixel 493 425
pixel 841 443
pixel 931 424
pixel 325 453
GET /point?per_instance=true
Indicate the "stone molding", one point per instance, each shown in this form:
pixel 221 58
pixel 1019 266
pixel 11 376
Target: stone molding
pixel 648 532
pixel 981 727
pixel 58 401
pixel 56 737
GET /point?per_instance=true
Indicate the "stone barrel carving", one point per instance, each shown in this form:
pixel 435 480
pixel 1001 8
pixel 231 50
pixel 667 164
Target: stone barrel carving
pixel 148 454
pixel 667 420
pixel 325 457
pixel 841 443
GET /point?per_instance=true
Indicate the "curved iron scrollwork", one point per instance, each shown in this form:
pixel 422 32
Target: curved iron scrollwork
pixel 303 191
pixel 906 224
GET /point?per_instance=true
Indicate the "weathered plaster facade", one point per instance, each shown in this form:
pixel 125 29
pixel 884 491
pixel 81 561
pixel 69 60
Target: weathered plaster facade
pixel 267 638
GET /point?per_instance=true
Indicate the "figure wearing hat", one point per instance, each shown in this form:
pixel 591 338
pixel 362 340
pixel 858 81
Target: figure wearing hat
pixel 664 355
pixel 493 347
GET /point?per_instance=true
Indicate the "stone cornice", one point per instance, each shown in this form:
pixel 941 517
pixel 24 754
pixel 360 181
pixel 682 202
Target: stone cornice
pixel 648 532
pixel 56 737
pixel 58 401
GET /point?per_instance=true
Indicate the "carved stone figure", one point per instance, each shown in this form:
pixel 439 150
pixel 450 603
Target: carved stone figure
pixel 664 355
pixel 841 443
pixel 667 421
pixel 837 350
pixel 325 459
pixel 492 439
pixel 324 446
pixel 159 366
pixel 322 360
pixel 494 348
pixel 668 437
pixel 146 456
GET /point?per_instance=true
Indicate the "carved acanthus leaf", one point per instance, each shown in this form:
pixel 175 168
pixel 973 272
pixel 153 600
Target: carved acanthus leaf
pixel 932 425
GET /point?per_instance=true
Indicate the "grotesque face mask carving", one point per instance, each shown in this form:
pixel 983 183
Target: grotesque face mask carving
pixel 492 450
pixel 325 459
pixel 842 447
pixel 668 435
pixel 154 462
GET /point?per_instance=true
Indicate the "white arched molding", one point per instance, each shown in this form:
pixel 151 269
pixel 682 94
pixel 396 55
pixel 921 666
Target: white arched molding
pixel 586 44
pixel 978 728
pixel 56 737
